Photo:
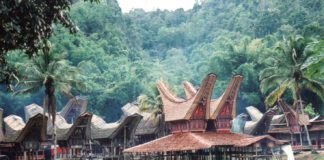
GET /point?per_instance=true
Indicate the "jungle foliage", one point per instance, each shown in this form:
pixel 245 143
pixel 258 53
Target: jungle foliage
pixel 121 56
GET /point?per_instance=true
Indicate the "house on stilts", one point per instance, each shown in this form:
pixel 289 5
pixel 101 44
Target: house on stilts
pixel 286 124
pixel 88 135
pixel 201 127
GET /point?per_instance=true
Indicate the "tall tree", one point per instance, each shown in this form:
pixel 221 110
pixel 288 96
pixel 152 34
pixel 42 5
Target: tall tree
pixel 26 25
pixel 51 73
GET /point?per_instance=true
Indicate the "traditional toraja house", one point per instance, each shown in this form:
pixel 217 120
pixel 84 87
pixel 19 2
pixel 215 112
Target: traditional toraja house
pixel 316 130
pixel 152 126
pixel 24 141
pixel 74 143
pixel 90 134
pixel 291 126
pixel 114 137
pixel 201 127
pixel 72 138
pixel 284 123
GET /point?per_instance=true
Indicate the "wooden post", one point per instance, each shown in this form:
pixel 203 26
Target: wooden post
pixel 125 140
pixel 301 139
pixel 54 139
pixel 25 155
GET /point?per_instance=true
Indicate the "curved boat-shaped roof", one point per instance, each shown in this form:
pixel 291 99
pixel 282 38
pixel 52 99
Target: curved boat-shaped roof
pixel 13 127
pixel 83 120
pixel 34 124
pixel 62 127
pixel 189 89
pixel 130 118
pixel 177 108
pixel 149 124
pixel 256 118
pixel 32 110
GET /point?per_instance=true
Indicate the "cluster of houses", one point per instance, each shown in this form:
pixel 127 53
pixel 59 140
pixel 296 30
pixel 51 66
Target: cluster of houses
pixel 194 127
pixel 78 133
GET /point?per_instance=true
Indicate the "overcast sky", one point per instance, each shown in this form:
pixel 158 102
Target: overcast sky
pixel 149 5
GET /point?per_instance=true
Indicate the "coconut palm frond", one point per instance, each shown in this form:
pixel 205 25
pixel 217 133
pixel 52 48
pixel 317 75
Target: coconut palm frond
pixel 273 97
pixel 271 82
pixel 30 89
pixel 267 73
pixel 315 86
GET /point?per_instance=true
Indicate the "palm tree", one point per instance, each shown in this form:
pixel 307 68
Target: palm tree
pixel 151 102
pixel 51 72
pixel 286 70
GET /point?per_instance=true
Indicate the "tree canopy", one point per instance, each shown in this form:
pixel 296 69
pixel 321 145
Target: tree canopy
pixel 122 55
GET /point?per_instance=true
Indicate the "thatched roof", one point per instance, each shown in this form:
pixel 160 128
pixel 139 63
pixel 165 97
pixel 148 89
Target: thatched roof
pixel 83 120
pixel 149 124
pixel 130 118
pixel 62 127
pixel 256 118
pixel 35 124
pixel 31 110
pixel 13 127
pixel 76 102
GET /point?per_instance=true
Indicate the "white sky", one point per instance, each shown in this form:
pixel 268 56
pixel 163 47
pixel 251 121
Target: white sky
pixel 149 5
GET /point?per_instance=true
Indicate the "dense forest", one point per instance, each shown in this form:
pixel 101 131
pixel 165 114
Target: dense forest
pixel 118 57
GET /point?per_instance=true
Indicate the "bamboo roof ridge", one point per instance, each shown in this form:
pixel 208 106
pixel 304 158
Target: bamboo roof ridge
pixel 130 118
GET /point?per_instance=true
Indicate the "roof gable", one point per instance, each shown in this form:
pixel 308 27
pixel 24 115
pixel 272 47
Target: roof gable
pixel 176 108
pixel 229 96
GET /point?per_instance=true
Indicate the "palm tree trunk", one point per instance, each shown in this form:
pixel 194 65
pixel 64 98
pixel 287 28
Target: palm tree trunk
pixel 305 126
pixel 51 106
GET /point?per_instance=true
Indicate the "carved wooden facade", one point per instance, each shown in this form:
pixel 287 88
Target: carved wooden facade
pixel 200 110
pixel 77 140
pixel 291 129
